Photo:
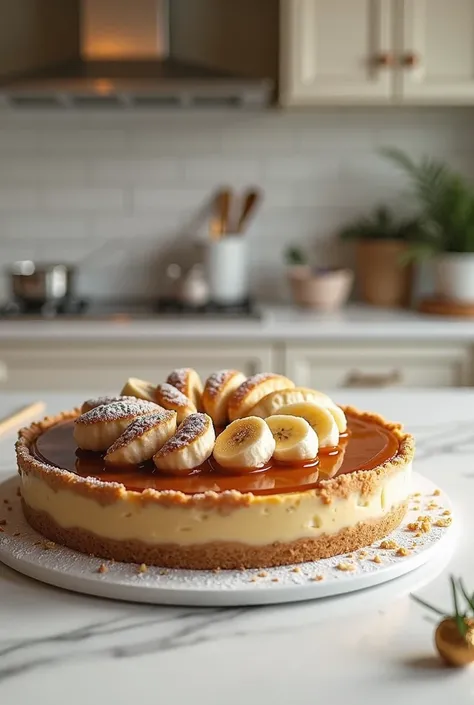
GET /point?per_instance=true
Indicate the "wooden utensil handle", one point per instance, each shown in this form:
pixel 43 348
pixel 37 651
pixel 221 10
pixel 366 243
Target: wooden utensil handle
pixel 17 419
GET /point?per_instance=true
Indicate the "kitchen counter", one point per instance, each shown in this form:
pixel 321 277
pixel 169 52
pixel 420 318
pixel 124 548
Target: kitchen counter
pixel 372 646
pixel 275 324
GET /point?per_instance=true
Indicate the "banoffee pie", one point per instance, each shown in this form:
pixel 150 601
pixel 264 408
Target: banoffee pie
pixel 233 473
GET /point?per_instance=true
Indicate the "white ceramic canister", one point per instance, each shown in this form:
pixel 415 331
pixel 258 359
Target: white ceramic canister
pixel 227 270
pixel 454 276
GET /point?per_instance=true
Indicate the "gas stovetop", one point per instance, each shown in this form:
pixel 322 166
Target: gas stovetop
pixel 75 309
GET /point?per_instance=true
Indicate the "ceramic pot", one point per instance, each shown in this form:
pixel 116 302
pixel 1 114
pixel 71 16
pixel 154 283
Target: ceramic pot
pixel 454 276
pixel 382 279
pixel 324 290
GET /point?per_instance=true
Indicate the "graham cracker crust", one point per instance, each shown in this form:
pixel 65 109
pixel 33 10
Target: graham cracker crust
pixel 218 554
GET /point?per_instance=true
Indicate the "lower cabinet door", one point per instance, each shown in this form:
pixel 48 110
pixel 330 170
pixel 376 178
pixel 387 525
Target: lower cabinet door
pixel 104 368
pixel 372 366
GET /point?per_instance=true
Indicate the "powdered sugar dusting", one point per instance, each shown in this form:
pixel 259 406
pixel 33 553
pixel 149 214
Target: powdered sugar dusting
pixel 100 401
pixel 167 394
pixel 192 427
pixel 250 383
pixel 139 427
pixel 118 410
pixel 215 382
pixel 179 378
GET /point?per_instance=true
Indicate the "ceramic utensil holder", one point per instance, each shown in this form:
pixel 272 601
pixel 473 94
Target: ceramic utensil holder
pixel 227 270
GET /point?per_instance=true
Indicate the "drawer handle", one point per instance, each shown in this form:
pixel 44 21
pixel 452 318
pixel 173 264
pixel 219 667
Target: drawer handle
pixel 356 378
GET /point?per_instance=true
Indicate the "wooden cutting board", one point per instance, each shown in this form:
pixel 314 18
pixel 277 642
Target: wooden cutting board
pixel 440 306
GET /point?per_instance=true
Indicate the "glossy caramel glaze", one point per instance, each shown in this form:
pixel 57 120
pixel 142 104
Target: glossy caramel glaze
pixel 367 445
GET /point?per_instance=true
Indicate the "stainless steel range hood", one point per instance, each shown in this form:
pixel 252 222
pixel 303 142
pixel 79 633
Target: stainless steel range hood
pixel 114 53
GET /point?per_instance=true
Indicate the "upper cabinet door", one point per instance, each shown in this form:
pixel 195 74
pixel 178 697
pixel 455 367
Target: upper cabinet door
pixel 437 51
pixel 336 51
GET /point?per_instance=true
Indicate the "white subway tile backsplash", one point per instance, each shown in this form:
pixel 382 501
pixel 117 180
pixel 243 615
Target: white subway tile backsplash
pixel 124 192
pixel 82 200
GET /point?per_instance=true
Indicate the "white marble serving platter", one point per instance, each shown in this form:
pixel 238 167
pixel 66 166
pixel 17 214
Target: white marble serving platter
pixel 29 553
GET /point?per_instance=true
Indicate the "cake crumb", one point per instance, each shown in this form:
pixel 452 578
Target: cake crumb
pixel 3 522
pixel 296 569
pixel 388 544
pixel 412 526
pixel 275 580
pixel 446 513
pixel 345 567
pixel 437 493
pixel 443 522
pixel 164 572
pixel 416 508
pixel 102 568
pixel 37 543
pixel 262 574
pixel 418 534
pixel 416 494
pixel 402 551
pixel 317 578
pixel 425 526
pixel 18 492
pixel 432 505
pixel 143 568
pixel 376 559
pixel 17 533
pixel 216 570
pixel 253 580
pixel 362 554
pixel 48 545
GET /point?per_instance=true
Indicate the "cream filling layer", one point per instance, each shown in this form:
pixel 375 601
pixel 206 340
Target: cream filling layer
pixel 264 521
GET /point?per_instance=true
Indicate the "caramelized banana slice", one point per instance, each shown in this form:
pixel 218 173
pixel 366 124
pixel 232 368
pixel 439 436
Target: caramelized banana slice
pixel 171 398
pixel 191 445
pixel 100 401
pixel 187 381
pixel 139 389
pixel 253 390
pixel 98 428
pixel 142 439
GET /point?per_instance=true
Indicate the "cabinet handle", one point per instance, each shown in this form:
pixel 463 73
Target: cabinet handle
pixel 410 60
pixel 384 60
pixel 356 378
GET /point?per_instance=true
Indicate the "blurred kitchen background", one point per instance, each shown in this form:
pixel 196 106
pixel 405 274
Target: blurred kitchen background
pixel 262 184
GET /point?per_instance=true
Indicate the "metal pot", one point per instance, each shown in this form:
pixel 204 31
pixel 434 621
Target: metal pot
pixel 33 283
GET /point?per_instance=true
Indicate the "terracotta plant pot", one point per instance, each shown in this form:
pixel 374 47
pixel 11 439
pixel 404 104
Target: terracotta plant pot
pixel 382 279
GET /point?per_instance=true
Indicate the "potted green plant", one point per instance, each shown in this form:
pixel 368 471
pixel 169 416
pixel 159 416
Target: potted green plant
pixel 381 243
pixel 446 199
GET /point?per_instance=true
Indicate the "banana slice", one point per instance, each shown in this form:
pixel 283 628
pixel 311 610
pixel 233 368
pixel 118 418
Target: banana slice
pixel 171 398
pixel 98 428
pixel 139 389
pixel 142 439
pixel 188 382
pixel 338 416
pixel 245 443
pixel 99 401
pixel 217 391
pixel 318 417
pixel 295 439
pixel 270 404
pixel 252 391
pixel 191 445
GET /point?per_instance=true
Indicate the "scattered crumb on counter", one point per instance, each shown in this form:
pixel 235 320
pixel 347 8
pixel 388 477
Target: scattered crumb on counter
pixel 275 580
pixel 446 513
pixel 262 574
pixel 376 559
pixel 143 568
pixel 296 569
pixel 317 578
pixel 345 567
pixel 102 568
pixel 437 493
pixel 402 551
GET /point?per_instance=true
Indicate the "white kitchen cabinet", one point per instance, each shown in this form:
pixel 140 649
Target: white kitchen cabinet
pixel 104 367
pixel 336 51
pixel 379 365
pixel 377 51
pixel 437 51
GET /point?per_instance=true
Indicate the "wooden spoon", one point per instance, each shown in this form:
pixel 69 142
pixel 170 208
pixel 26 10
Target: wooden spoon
pixel 250 202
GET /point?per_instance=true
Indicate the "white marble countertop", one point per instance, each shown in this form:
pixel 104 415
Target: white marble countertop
pixel 373 646
pixel 275 324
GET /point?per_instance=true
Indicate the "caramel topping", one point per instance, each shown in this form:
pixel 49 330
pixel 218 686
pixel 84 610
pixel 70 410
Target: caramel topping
pixel 367 445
